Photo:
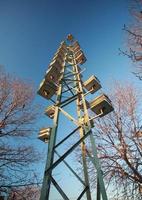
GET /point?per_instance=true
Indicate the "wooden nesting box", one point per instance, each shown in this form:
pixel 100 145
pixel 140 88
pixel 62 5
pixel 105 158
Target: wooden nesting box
pixel 92 84
pixel 53 74
pixel 81 59
pixel 63 46
pixel 101 104
pixel 61 54
pixel 50 111
pixel 59 59
pixel 57 64
pixel 47 89
pixel 44 134
pixel 62 49
pixel 78 53
pixel 76 49
pixel 75 45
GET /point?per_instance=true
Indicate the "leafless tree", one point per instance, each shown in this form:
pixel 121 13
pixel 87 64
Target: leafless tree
pixel 17 123
pixel 118 137
pixel 119 143
pixel 134 39
pixel 24 193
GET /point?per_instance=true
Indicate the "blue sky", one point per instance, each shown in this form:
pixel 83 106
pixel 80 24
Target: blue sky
pixel 31 30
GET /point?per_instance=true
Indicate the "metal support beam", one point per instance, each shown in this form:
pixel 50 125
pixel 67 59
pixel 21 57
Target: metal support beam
pixel 67 137
pixel 82 193
pixel 70 168
pixel 69 116
pixel 82 131
pixel 68 87
pixel 67 153
pixel 59 189
pixel 50 156
pixel 67 100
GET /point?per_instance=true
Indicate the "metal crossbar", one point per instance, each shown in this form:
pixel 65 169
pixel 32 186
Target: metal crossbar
pixel 68 87
pixel 67 137
pixel 67 153
pixel 83 192
pixel 70 168
pixel 59 189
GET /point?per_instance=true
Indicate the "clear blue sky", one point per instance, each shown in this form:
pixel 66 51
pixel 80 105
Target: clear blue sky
pixel 31 30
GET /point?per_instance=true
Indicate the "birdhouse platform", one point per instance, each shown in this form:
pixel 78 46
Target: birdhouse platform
pixel 60 58
pixel 47 89
pixel 76 49
pixel 53 74
pixel 92 84
pixel 50 111
pixel 63 45
pixel 44 134
pixel 75 45
pixel 101 104
pixel 78 53
pixel 81 59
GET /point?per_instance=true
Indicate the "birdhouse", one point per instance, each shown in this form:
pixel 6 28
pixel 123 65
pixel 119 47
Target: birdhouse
pixel 76 49
pixel 101 104
pixel 81 59
pixel 75 45
pixel 62 49
pixel 44 134
pixel 92 84
pixel 47 89
pixel 59 57
pixel 56 64
pixel 63 46
pixel 61 53
pixel 78 53
pixel 53 74
pixel 50 111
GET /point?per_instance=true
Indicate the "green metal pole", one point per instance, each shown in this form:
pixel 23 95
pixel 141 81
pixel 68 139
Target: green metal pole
pixel 83 148
pixel 94 149
pixel 50 155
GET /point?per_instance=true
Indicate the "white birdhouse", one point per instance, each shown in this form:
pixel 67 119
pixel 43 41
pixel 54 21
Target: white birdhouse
pixel 75 45
pixel 53 74
pixel 50 111
pixel 76 49
pixel 60 58
pixel 92 84
pixel 101 104
pixel 78 53
pixel 44 134
pixel 47 89
pixel 81 59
